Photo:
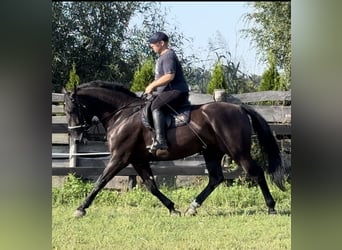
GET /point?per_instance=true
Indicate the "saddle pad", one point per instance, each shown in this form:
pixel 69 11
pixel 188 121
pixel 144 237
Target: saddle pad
pixel 172 120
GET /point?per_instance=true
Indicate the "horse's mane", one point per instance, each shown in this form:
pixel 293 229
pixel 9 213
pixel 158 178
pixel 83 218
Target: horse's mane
pixel 114 86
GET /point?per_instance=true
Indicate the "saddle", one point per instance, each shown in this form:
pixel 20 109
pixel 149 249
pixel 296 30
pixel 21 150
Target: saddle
pixel 172 119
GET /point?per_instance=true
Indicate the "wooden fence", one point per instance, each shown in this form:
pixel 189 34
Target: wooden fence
pixel 88 160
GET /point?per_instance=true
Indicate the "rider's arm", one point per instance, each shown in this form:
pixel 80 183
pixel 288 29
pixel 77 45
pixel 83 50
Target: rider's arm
pixel 162 81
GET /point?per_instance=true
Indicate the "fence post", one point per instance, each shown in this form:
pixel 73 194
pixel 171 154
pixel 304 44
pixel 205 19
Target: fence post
pixel 220 95
pixel 72 152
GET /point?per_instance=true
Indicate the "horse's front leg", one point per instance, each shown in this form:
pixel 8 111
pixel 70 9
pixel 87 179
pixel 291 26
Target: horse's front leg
pixel 145 172
pixel 112 169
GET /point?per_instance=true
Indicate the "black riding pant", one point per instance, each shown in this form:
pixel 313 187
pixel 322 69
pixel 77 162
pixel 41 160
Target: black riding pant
pixel 173 98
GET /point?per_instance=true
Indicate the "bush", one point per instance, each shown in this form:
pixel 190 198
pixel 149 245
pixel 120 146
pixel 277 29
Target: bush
pixel 143 76
pixel 217 80
pixel 74 188
pixel 74 79
pixel 270 79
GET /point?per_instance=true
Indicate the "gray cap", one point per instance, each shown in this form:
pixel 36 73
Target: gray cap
pixel 157 37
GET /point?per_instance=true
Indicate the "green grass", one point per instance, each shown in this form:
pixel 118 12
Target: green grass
pixel 231 218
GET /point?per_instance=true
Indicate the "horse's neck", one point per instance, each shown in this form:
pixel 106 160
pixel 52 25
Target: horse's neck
pixel 107 106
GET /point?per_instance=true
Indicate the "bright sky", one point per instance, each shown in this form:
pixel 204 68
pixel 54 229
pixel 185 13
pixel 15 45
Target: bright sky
pixel 202 20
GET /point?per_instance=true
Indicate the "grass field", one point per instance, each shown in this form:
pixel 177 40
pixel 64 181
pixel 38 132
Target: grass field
pixel 232 217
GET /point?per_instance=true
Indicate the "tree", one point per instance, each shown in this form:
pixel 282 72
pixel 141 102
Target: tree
pixel 103 41
pixel 237 81
pixel 270 79
pixel 197 78
pixel 148 20
pixel 272 33
pixel 143 76
pixel 74 79
pixel 90 34
pixel 217 80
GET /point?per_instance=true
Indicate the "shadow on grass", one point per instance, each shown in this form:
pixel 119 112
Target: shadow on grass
pixel 241 212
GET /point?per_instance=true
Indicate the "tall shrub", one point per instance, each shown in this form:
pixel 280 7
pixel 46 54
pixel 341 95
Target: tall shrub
pixel 217 80
pixel 143 76
pixel 74 79
pixel 270 79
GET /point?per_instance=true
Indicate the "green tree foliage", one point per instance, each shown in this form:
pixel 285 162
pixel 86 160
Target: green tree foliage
pixel 106 40
pixel 271 32
pixel 237 81
pixel 74 79
pixel 147 21
pixel 143 76
pixel 90 34
pixel 270 79
pixel 197 78
pixel 217 80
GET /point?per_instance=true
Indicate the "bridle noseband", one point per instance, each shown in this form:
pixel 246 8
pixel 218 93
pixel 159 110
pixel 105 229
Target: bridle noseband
pixel 78 126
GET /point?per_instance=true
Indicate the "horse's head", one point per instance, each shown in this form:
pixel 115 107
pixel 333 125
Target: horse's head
pixel 76 115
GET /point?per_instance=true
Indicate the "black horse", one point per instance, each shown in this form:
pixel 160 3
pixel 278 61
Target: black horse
pixel 215 129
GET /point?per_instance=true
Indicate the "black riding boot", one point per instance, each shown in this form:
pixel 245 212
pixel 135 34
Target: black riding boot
pixel 159 126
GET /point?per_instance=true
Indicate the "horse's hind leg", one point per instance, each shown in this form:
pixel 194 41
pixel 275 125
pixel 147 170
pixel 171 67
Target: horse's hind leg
pixel 145 173
pixel 212 157
pixel 256 173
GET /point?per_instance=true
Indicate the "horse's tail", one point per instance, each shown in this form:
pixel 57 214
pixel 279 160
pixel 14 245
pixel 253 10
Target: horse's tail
pixel 268 146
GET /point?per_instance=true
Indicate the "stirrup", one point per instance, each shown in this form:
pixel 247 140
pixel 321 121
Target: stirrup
pixel 156 146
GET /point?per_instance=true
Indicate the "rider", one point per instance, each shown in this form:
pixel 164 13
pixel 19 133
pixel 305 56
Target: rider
pixel 169 83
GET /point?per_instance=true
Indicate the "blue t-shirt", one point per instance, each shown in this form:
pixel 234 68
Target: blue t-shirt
pixel 168 63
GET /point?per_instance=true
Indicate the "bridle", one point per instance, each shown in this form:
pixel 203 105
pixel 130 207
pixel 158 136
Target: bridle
pixel 83 123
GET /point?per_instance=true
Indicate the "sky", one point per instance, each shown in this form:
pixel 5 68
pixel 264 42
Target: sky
pixel 202 20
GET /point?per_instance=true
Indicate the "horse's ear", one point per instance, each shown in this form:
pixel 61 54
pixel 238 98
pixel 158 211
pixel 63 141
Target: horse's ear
pixel 64 91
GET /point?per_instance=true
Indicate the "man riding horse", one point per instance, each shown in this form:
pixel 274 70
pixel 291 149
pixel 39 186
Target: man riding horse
pixel 170 85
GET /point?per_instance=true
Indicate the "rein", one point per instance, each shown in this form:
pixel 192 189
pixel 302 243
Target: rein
pixel 110 115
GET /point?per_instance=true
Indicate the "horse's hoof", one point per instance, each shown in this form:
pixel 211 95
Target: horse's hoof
pixel 175 213
pixel 272 211
pixel 79 213
pixel 190 212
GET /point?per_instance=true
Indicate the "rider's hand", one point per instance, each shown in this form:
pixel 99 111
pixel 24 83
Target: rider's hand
pixel 149 89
